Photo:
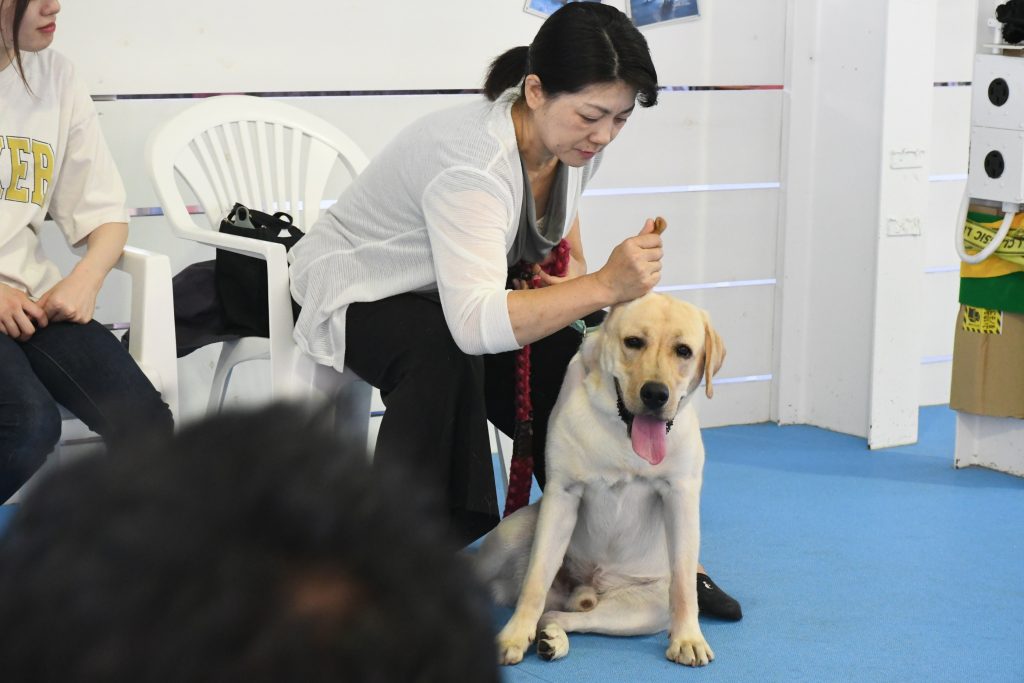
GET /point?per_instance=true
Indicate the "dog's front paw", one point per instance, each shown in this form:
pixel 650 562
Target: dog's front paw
pixel 552 642
pixel 691 651
pixel 513 641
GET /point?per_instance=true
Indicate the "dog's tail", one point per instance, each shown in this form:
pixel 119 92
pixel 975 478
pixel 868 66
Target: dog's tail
pixel 501 560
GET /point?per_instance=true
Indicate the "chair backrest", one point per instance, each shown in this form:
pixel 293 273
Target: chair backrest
pixel 265 154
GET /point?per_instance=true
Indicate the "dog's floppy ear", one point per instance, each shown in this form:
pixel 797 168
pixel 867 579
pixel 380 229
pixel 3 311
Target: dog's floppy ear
pixel 714 354
pixel 590 349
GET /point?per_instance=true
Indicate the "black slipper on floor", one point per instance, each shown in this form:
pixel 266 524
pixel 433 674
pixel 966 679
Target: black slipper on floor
pixel 713 601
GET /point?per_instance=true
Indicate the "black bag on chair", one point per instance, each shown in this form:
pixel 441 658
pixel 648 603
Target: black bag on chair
pixel 242 280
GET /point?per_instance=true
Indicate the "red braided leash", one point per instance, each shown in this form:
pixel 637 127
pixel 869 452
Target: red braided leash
pixel 520 474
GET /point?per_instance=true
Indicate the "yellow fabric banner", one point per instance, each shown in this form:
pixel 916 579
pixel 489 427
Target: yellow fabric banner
pixel 1009 257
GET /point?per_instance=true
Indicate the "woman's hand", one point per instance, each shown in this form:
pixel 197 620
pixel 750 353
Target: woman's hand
pixel 634 266
pixel 19 315
pixel 633 269
pixel 73 299
pixel 575 269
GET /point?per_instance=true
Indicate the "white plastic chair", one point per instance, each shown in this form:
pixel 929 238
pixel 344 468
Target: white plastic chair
pixel 269 156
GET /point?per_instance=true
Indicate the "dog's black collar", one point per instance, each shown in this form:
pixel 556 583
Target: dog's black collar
pixel 625 415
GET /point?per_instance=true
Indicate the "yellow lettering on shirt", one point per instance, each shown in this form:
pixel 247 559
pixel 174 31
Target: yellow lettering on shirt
pixel 42 156
pixel 19 169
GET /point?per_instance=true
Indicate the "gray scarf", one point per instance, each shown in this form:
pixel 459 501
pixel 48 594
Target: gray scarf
pixel 534 242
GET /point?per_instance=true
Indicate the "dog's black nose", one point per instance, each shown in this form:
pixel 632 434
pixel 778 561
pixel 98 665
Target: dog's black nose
pixel 654 395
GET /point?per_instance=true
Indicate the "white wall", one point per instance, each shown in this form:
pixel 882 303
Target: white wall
pixel 708 159
pixel 149 46
pixel 864 315
pixel 416 56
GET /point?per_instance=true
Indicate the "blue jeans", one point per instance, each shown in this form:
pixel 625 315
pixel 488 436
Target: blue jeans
pixel 83 368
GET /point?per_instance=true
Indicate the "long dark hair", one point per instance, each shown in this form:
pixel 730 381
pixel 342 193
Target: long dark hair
pixel 581 44
pixel 19 14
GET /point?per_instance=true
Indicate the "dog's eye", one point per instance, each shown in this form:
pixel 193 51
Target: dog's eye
pixel 684 351
pixel 633 342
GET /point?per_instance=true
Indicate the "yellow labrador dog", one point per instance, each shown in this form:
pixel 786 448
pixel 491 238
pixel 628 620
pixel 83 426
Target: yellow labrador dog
pixel 612 545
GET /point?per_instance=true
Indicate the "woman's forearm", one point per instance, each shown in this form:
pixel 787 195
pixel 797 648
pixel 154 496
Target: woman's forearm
pixel 537 313
pixel 104 247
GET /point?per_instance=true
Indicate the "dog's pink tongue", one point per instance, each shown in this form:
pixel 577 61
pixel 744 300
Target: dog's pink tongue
pixel 649 438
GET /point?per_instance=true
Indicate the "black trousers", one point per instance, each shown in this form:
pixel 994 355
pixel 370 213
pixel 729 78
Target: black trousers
pixel 439 400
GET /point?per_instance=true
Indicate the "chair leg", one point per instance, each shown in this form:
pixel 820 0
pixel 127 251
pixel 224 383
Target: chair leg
pixel 221 376
pixel 231 354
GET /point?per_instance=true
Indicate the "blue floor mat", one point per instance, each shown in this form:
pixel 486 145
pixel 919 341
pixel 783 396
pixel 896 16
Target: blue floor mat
pixel 850 564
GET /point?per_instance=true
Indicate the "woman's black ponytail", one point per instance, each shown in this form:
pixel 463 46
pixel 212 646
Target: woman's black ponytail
pixel 506 70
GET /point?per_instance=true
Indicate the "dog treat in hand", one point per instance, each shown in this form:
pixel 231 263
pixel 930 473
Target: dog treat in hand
pixel 659 225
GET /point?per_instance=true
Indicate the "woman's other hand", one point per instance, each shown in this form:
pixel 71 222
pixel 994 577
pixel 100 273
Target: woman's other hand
pixel 575 269
pixel 19 315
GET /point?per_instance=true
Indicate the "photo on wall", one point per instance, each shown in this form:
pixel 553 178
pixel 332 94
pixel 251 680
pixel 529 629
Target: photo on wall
pixel 545 8
pixel 653 12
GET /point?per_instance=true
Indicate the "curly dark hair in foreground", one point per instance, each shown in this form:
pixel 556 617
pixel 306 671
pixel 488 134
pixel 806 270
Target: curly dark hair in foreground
pixel 251 547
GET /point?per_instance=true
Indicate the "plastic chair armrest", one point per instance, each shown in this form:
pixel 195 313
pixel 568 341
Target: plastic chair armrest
pixel 152 343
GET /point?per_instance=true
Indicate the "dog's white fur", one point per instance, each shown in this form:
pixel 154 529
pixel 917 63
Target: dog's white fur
pixel 620 534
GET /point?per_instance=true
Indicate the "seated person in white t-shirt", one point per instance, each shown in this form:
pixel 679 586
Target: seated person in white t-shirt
pixel 53 159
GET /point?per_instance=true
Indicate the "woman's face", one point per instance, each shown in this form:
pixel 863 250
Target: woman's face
pixel 37 26
pixel 574 127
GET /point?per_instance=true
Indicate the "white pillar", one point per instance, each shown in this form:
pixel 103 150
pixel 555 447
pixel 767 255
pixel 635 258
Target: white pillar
pixel 857 126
